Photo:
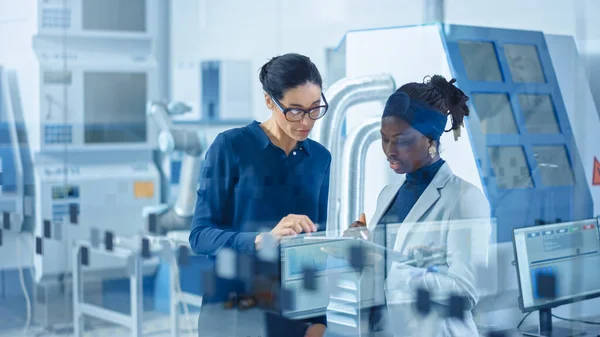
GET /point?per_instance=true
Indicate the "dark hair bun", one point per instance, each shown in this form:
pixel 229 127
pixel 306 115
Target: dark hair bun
pixel 288 71
pixel 454 95
pixel 264 70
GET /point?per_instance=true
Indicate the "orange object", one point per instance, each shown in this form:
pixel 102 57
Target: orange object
pixel 143 189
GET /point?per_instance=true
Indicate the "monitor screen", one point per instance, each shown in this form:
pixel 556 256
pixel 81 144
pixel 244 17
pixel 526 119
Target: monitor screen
pixel 114 107
pixel 114 15
pixel 296 256
pixel 569 251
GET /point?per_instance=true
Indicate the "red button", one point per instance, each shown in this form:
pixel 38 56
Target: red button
pixel 588 226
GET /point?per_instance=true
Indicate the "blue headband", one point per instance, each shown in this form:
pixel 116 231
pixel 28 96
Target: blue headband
pixel 422 117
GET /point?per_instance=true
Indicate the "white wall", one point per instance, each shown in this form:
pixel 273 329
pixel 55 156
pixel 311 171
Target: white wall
pixel 260 29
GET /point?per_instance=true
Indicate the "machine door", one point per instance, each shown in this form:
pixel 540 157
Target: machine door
pixel 522 138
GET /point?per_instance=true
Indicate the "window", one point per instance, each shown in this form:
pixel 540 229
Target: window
pixel 539 114
pixel 495 114
pixel 524 63
pixel 510 167
pixel 480 60
pixel 554 165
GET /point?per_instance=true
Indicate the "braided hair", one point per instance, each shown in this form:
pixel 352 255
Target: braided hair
pixel 442 95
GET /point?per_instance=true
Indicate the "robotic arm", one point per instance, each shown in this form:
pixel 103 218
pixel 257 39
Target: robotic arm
pixel 162 219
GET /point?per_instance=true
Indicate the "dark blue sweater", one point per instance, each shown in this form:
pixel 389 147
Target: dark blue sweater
pixel 248 185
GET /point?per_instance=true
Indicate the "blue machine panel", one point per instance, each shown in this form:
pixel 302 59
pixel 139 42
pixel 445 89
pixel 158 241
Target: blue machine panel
pixel 520 131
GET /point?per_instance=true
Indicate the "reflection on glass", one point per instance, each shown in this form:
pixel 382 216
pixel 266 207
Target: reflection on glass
pixel 524 63
pixel 539 113
pixel 510 167
pixel 554 165
pixel 480 60
pixel 495 114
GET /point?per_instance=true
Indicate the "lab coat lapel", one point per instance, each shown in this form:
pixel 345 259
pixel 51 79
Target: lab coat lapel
pixel 429 197
pixel 385 202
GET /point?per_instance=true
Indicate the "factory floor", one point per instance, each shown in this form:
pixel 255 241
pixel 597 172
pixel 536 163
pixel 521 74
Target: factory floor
pixel 155 325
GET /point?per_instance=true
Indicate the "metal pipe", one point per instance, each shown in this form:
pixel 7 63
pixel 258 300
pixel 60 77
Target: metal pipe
pixel 353 169
pixel 434 11
pixel 188 183
pixel 341 96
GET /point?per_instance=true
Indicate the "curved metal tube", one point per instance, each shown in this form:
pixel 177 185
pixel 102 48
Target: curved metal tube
pixel 193 143
pixel 353 169
pixel 341 96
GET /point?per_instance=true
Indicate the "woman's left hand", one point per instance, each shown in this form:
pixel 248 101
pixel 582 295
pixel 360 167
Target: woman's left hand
pixel 315 330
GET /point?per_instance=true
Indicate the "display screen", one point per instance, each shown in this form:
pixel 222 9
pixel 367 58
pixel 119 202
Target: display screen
pixel 480 61
pixel 510 167
pixel 495 114
pixel 65 192
pixel 524 63
pixel 58 77
pixel 115 107
pixel 539 113
pixel 554 165
pixel 114 15
pixel 564 251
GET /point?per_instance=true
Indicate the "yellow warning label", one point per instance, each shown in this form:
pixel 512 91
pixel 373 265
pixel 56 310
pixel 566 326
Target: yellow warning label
pixel 143 189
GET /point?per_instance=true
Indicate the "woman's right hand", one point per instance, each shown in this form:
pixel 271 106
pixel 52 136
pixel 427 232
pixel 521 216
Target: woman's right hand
pixel 290 225
pixel 293 224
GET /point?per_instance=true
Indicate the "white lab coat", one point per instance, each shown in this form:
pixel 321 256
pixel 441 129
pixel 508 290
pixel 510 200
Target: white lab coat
pixel 436 219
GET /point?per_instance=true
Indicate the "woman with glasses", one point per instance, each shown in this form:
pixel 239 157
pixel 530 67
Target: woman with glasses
pixel 265 177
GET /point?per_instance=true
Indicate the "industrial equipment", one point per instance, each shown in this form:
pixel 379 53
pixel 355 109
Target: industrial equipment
pixel 529 142
pixel 556 251
pixel 520 145
pixel 80 80
pixel 162 218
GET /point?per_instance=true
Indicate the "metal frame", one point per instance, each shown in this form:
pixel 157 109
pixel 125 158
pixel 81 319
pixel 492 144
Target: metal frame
pixel 81 309
pixel 176 297
pixel 134 321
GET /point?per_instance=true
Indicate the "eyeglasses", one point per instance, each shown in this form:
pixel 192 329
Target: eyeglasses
pixel 296 114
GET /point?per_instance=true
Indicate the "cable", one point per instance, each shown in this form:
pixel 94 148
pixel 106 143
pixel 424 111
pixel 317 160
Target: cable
pixel 575 320
pixel 523 320
pixel 23 287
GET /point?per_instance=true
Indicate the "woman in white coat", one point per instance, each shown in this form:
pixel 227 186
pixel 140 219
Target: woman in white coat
pixel 428 202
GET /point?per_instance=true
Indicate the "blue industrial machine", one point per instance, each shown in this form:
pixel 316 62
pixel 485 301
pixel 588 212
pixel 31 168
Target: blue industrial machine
pixel 520 146
pixel 528 143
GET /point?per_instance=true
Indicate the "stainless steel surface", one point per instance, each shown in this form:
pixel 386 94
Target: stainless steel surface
pixel 353 169
pixel 341 96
